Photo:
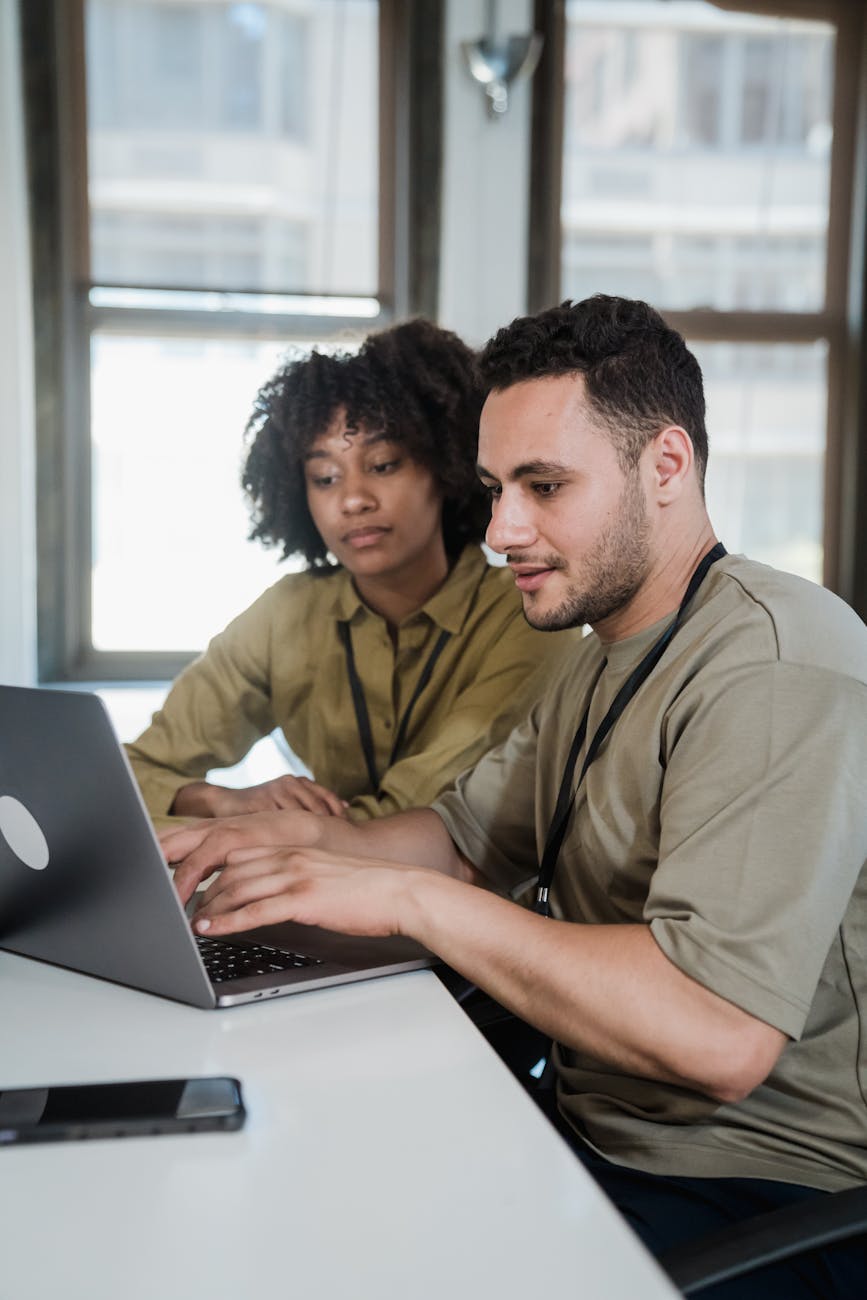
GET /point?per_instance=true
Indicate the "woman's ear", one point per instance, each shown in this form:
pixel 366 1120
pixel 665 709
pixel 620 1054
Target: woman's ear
pixel 672 462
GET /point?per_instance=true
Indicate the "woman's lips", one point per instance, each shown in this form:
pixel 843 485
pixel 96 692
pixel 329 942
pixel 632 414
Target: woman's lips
pixel 360 538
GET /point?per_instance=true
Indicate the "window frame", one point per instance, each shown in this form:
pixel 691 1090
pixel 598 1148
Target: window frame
pixel 410 165
pixel 839 323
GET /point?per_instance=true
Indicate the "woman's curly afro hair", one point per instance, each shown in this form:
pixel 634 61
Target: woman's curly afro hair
pixel 415 383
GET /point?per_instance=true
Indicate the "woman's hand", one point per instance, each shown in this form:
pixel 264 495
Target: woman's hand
pixel 201 799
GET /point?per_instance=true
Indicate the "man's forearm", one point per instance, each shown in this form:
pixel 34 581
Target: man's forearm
pixel 605 990
pixel 608 991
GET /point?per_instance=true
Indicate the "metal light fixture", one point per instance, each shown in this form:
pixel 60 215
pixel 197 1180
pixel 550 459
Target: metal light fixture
pixel 496 63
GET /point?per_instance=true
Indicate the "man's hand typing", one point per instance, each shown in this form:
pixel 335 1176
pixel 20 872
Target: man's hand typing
pixel 199 850
pixel 354 895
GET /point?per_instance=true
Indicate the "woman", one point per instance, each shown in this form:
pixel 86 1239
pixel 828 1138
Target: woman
pixel 400 655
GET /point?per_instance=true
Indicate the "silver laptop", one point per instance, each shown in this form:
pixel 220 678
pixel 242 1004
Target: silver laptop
pixel 83 883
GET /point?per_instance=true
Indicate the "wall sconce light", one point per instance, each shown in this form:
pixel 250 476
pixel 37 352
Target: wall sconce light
pixel 496 63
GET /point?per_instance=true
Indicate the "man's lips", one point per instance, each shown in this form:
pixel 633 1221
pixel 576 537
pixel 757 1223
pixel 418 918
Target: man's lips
pixel 532 580
pixel 530 577
pixel 359 538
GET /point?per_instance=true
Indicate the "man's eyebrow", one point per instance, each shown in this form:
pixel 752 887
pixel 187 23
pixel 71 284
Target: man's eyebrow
pixel 528 468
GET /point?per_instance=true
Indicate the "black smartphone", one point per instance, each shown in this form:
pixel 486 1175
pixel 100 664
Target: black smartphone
pixel 135 1109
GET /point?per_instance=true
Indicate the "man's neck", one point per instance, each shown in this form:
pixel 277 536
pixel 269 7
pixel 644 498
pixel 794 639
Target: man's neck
pixel 662 590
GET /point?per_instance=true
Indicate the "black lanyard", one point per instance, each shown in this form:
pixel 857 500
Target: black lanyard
pixel 566 797
pixel 362 717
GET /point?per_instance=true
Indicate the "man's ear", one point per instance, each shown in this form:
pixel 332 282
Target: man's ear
pixel 671 463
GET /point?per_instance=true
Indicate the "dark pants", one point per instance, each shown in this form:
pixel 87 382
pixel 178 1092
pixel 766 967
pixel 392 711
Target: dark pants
pixel 667 1212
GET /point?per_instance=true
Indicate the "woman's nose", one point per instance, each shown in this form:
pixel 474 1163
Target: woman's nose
pixel 357 497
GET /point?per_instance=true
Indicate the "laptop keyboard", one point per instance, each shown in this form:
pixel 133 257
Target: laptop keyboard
pixel 230 961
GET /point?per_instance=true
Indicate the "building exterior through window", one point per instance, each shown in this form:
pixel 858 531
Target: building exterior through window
pixel 696 175
pixel 233 149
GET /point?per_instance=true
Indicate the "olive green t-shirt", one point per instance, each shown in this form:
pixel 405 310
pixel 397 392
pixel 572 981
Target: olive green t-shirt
pixel 281 664
pixel 727 810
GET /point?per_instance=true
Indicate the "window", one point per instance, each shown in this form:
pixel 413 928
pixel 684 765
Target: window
pixel 227 190
pixel 211 150
pixel 703 184
pixel 700 119
pixel 767 407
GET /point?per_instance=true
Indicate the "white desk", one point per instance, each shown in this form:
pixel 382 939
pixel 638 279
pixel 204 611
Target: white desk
pixel 387 1154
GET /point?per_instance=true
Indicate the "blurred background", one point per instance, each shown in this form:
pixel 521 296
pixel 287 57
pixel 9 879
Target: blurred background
pixel 196 187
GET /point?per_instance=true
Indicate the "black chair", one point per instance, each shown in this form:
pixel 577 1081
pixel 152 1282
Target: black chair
pixel 768 1239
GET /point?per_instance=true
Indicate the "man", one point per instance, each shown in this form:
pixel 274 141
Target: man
pixel 705 980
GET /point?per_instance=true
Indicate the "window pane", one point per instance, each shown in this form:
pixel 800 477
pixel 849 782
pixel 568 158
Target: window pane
pixel 696 155
pixel 766 424
pixel 170 562
pixel 234 145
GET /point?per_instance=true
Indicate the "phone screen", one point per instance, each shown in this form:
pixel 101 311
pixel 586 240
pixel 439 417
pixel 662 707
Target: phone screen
pixel 146 1106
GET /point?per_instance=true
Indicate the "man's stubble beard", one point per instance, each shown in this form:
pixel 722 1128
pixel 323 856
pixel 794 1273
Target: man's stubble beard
pixel 614 569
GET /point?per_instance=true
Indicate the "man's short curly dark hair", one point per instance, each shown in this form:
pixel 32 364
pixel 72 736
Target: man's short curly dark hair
pixel 639 374
pixel 415 383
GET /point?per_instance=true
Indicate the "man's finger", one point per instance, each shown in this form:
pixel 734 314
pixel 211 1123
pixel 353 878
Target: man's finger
pixel 244 888
pixel 202 862
pixel 266 911
pixel 241 864
pixel 176 842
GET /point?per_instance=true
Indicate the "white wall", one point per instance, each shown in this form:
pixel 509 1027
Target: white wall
pixel 483 266
pixel 17 454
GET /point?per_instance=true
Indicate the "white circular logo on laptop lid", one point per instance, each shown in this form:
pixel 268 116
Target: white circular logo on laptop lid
pixel 22 833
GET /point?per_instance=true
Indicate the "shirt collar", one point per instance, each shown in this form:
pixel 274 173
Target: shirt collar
pixel 448 607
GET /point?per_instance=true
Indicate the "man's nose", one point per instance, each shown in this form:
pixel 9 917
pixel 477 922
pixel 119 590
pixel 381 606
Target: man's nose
pixel 511 527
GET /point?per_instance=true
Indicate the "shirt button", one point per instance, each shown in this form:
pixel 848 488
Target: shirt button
pixel 387 724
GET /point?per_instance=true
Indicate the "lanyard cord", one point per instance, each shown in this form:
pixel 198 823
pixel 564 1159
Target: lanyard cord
pixel 566 796
pixel 362 717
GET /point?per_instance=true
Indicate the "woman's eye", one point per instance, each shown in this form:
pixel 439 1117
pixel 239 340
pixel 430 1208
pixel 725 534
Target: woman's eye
pixel 322 480
pixel 385 466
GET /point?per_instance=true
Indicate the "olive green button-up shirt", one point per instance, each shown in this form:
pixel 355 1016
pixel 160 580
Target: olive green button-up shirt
pixel 281 664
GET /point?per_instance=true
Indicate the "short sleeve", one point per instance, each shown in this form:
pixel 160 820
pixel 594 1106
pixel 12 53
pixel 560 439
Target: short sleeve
pixel 763 832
